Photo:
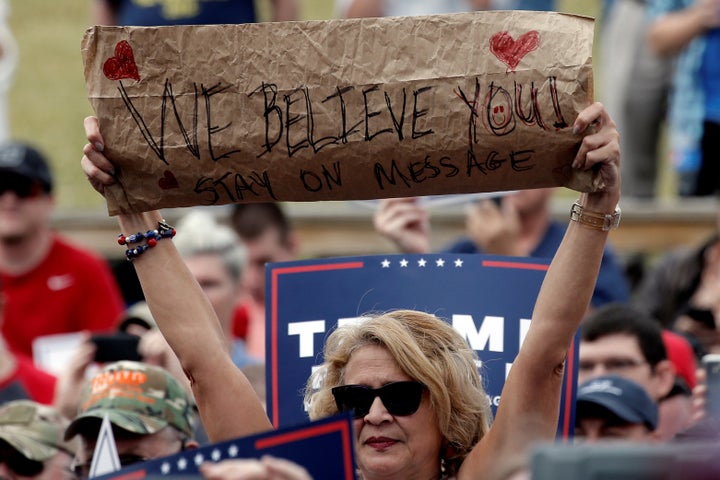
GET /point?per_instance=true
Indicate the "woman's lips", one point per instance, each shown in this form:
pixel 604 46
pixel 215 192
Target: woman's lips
pixel 380 443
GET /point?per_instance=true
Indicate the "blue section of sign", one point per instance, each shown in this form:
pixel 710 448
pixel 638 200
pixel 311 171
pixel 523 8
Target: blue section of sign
pixel 488 299
pixel 324 447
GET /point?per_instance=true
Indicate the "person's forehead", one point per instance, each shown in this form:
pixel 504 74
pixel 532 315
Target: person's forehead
pixel 207 266
pixel 268 241
pixel 373 365
pixel 622 345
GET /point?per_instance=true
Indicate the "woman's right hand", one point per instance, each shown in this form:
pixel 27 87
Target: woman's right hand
pixel 98 169
pixel 405 222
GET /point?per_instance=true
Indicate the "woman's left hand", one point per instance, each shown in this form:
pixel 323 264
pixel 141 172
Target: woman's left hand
pixel 599 151
pixel 267 468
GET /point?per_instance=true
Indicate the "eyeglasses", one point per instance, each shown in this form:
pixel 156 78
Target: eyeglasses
pixel 19 464
pixel 23 187
pixel 610 364
pixel 400 398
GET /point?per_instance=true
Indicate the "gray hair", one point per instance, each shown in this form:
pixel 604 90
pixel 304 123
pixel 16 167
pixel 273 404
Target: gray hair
pixel 199 233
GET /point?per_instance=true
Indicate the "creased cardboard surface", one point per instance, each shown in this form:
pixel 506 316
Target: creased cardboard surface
pixel 340 109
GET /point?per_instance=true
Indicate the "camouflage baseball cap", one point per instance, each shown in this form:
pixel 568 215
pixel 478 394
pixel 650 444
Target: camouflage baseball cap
pixel 34 430
pixel 136 397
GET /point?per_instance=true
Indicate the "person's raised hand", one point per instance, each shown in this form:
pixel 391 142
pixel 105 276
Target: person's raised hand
pixel 599 151
pixel 71 380
pixel 99 170
pixel 494 228
pixel 405 222
pixel 708 13
pixel 699 396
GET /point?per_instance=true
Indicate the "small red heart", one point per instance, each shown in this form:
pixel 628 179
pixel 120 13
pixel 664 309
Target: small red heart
pixel 510 51
pixel 168 181
pixel 122 65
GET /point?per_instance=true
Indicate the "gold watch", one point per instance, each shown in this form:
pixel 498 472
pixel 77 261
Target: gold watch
pixel 596 220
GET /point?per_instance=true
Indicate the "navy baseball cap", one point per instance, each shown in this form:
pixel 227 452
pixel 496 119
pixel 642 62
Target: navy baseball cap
pixel 621 397
pixel 26 161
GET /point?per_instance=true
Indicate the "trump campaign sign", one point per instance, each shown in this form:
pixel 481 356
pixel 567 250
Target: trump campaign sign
pixel 489 300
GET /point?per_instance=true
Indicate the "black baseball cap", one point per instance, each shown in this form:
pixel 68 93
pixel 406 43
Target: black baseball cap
pixel 26 161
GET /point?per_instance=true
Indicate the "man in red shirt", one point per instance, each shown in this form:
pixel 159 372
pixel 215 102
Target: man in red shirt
pixel 20 379
pixel 49 285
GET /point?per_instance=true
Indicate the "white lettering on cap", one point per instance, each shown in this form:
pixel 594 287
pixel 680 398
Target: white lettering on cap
pixel 605 386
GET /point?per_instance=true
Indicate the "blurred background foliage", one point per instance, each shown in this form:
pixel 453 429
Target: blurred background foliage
pixel 47 100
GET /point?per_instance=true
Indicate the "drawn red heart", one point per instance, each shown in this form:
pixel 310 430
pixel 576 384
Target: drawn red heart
pixel 122 65
pixel 510 51
pixel 168 181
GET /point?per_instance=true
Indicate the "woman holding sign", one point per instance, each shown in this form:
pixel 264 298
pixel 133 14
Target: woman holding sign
pixel 410 380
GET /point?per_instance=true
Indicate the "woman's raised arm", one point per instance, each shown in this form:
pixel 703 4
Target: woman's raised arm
pixel 530 401
pixel 228 405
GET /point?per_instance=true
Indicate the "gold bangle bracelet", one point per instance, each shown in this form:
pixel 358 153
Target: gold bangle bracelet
pixel 595 220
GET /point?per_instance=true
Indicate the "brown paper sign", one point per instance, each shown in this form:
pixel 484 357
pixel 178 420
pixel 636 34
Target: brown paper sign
pixel 340 109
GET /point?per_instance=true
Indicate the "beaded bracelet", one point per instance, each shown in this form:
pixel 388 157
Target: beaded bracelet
pixel 151 238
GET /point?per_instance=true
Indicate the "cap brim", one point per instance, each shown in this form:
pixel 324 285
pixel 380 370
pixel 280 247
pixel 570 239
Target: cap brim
pixel 129 421
pixel 615 407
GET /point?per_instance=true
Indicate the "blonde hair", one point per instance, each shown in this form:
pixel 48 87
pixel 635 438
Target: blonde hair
pixel 430 351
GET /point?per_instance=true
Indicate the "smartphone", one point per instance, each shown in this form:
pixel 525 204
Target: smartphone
pixel 116 346
pixel 711 364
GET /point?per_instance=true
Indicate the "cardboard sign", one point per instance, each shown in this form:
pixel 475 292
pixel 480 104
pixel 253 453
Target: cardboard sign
pixel 325 448
pixel 489 300
pixel 340 109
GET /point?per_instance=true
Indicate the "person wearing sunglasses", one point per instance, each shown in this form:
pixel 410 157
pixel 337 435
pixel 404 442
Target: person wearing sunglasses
pixel 46 279
pixel 150 412
pixel 409 378
pixel 31 442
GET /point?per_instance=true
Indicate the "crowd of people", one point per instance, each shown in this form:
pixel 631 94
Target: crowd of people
pixel 194 345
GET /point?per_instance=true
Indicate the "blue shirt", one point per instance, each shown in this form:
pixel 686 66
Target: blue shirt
pixel 183 12
pixel 611 286
pixel 710 72
pixel 687 104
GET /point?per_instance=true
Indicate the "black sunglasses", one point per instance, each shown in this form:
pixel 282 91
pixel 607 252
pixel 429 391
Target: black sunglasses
pixel 400 398
pixel 23 187
pixel 19 464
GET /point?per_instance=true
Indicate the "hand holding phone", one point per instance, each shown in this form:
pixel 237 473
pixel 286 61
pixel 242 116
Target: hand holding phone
pixel 116 346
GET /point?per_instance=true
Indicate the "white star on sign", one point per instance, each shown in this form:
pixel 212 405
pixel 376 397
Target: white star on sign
pixel 403 263
pixel 440 262
pixel 182 463
pixel 458 263
pixel 199 459
pixel 165 468
pixel 233 450
pixel 385 263
pixel 422 262
pixel 216 454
